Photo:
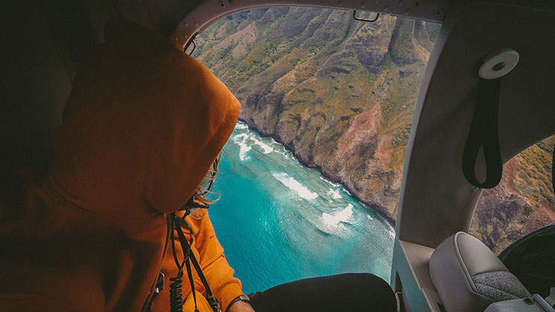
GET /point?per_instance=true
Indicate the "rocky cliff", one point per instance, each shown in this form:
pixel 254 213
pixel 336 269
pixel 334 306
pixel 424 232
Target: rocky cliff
pixel 339 93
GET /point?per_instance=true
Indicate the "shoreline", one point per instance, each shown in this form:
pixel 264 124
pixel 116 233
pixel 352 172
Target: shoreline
pixel 384 217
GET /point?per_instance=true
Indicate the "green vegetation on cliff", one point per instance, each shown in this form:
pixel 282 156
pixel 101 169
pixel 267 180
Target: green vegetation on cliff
pixel 340 94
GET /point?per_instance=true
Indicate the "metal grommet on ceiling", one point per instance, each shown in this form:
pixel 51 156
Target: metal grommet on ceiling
pixel 356 18
pixel 499 64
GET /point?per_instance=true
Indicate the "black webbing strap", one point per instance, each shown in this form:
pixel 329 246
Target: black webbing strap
pixel 484 135
pixel 191 257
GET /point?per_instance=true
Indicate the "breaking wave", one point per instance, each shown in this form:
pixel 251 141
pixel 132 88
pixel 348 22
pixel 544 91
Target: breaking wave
pixel 342 216
pixel 295 186
pixel 241 125
pixel 244 147
pixel 247 140
pixel 334 194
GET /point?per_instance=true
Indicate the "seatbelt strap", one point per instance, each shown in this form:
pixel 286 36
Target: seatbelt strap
pixel 484 135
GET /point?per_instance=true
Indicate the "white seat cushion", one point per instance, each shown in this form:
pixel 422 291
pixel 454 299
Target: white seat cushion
pixel 468 275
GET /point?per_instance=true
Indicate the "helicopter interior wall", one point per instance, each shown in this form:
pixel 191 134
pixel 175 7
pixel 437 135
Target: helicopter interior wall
pixel 35 85
pixel 436 200
pixel 446 107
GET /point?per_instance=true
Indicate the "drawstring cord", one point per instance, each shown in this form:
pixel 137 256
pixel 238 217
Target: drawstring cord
pixel 176 300
pixel 174 224
pixel 176 295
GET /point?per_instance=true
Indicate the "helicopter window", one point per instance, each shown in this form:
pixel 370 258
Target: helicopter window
pixel 522 202
pixel 315 164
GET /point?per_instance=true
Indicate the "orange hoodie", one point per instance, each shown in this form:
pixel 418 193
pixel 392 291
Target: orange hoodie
pixel 142 126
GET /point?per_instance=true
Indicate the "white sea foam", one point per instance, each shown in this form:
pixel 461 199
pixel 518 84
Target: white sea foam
pixel 267 148
pixel 244 147
pixel 246 141
pixel 329 182
pixel 342 216
pixel 295 186
pixel 334 194
pixel 241 125
pixel 283 151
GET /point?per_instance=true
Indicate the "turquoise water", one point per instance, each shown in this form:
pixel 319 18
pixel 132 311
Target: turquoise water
pixel 279 221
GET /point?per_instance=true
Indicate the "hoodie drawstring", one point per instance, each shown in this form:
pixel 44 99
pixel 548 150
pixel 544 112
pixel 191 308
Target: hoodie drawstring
pixel 176 300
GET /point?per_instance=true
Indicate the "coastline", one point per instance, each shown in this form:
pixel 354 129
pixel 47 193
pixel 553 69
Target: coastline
pixel 383 216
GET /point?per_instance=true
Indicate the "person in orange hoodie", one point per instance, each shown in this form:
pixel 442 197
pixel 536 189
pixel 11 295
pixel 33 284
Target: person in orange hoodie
pixel 116 224
pixel 141 129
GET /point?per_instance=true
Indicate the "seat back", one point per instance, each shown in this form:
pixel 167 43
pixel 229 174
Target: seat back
pixel 468 275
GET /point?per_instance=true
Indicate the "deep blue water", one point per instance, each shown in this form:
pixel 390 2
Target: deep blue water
pixel 279 221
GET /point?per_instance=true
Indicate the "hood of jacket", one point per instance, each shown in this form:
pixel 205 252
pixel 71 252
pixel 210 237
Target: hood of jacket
pixel 141 129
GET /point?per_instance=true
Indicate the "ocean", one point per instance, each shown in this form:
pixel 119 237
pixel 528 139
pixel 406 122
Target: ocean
pixel 279 221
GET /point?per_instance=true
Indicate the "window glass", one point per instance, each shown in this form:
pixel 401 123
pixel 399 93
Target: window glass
pixel 523 202
pixel 315 164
